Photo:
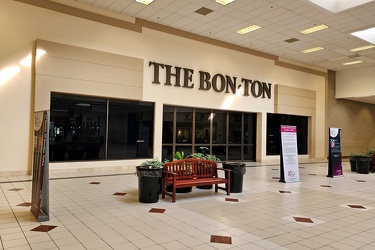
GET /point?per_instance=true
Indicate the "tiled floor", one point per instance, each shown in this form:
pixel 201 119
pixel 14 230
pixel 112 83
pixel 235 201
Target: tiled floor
pixel 316 213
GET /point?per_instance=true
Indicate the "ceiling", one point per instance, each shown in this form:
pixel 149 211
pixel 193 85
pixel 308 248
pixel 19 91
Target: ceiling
pixel 279 20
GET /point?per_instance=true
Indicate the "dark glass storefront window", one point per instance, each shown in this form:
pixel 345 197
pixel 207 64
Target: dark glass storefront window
pixel 273 132
pixel 202 126
pixel 219 127
pixel 184 122
pixel 168 118
pixel 235 128
pixel 79 127
pixel 234 142
pixel 130 130
pixel 249 136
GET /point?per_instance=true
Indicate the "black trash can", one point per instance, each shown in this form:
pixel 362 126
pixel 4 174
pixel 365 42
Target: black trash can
pixel 237 172
pixel 149 183
pixel 363 164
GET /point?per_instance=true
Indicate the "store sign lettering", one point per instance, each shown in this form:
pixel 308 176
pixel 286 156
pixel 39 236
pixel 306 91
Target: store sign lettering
pixel 183 77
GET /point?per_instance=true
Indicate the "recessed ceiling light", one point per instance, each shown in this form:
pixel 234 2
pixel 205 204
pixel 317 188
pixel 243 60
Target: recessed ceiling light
pixel 367 35
pixel 362 48
pixel 147 2
pixel 312 50
pixel 248 29
pixel 224 2
pixel 314 29
pixel 354 62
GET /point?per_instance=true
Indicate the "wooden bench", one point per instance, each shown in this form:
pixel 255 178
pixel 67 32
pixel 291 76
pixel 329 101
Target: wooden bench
pixel 193 172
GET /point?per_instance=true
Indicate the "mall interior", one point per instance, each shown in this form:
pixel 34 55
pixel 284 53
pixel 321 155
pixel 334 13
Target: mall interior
pixel 91 89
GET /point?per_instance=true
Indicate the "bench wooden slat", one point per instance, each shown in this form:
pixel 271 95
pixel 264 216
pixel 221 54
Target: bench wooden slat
pixel 192 172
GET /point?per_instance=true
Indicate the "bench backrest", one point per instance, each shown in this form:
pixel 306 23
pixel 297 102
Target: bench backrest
pixel 191 168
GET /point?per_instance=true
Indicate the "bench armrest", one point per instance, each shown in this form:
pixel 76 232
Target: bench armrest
pixel 226 170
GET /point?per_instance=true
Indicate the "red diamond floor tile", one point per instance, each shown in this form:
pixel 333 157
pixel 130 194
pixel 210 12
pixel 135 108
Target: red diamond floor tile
pixel 221 239
pixel 25 204
pixel 119 194
pixel 43 228
pixel 357 206
pixel 231 199
pixel 157 210
pixel 303 219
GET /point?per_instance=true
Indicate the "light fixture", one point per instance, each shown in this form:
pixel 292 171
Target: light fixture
pixel 311 50
pixel 314 29
pixel 224 2
pixel 367 35
pixel 248 29
pixel 147 2
pixel 353 62
pixel 362 48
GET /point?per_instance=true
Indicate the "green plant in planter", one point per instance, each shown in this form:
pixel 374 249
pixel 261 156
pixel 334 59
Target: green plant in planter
pixel 204 155
pixel 178 155
pixel 353 156
pixel 153 163
pixel 369 152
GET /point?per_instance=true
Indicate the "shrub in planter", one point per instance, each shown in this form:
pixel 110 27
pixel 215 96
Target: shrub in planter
pixel 149 180
pixel 352 161
pixel 363 163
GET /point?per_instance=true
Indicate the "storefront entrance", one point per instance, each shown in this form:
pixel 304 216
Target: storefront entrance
pixel 231 136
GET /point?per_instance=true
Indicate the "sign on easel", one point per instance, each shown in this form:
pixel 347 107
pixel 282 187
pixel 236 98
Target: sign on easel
pixel 40 178
pixel 335 158
pixel 289 171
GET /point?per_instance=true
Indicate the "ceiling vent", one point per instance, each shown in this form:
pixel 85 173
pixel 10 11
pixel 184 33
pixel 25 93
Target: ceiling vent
pixel 203 11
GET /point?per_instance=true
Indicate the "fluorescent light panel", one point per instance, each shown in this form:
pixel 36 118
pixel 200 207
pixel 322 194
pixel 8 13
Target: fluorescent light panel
pixel 224 2
pixel 362 48
pixel 311 50
pixel 314 29
pixel 248 29
pixel 354 62
pixel 367 35
pixel 147 2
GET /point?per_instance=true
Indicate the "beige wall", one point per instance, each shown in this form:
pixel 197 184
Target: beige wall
pixel 148 45
pixel 356 120
pixel 355 82
pixel 16 113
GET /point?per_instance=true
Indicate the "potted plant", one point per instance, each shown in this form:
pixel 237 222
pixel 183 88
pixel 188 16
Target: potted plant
pixel 363 163
pixel 149 180
pixel 352 161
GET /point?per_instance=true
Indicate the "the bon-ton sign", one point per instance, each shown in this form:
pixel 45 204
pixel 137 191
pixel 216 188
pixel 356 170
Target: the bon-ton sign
pixel 183 77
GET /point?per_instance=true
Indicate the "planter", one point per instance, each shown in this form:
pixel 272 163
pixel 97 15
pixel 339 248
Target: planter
pixel 237 172
pixel 363 164
pixel 179 190
pixel 353 166
pixel 149 183
pixel 205 187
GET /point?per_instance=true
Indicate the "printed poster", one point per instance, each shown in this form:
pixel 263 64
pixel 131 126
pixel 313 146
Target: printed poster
pixel 289 153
